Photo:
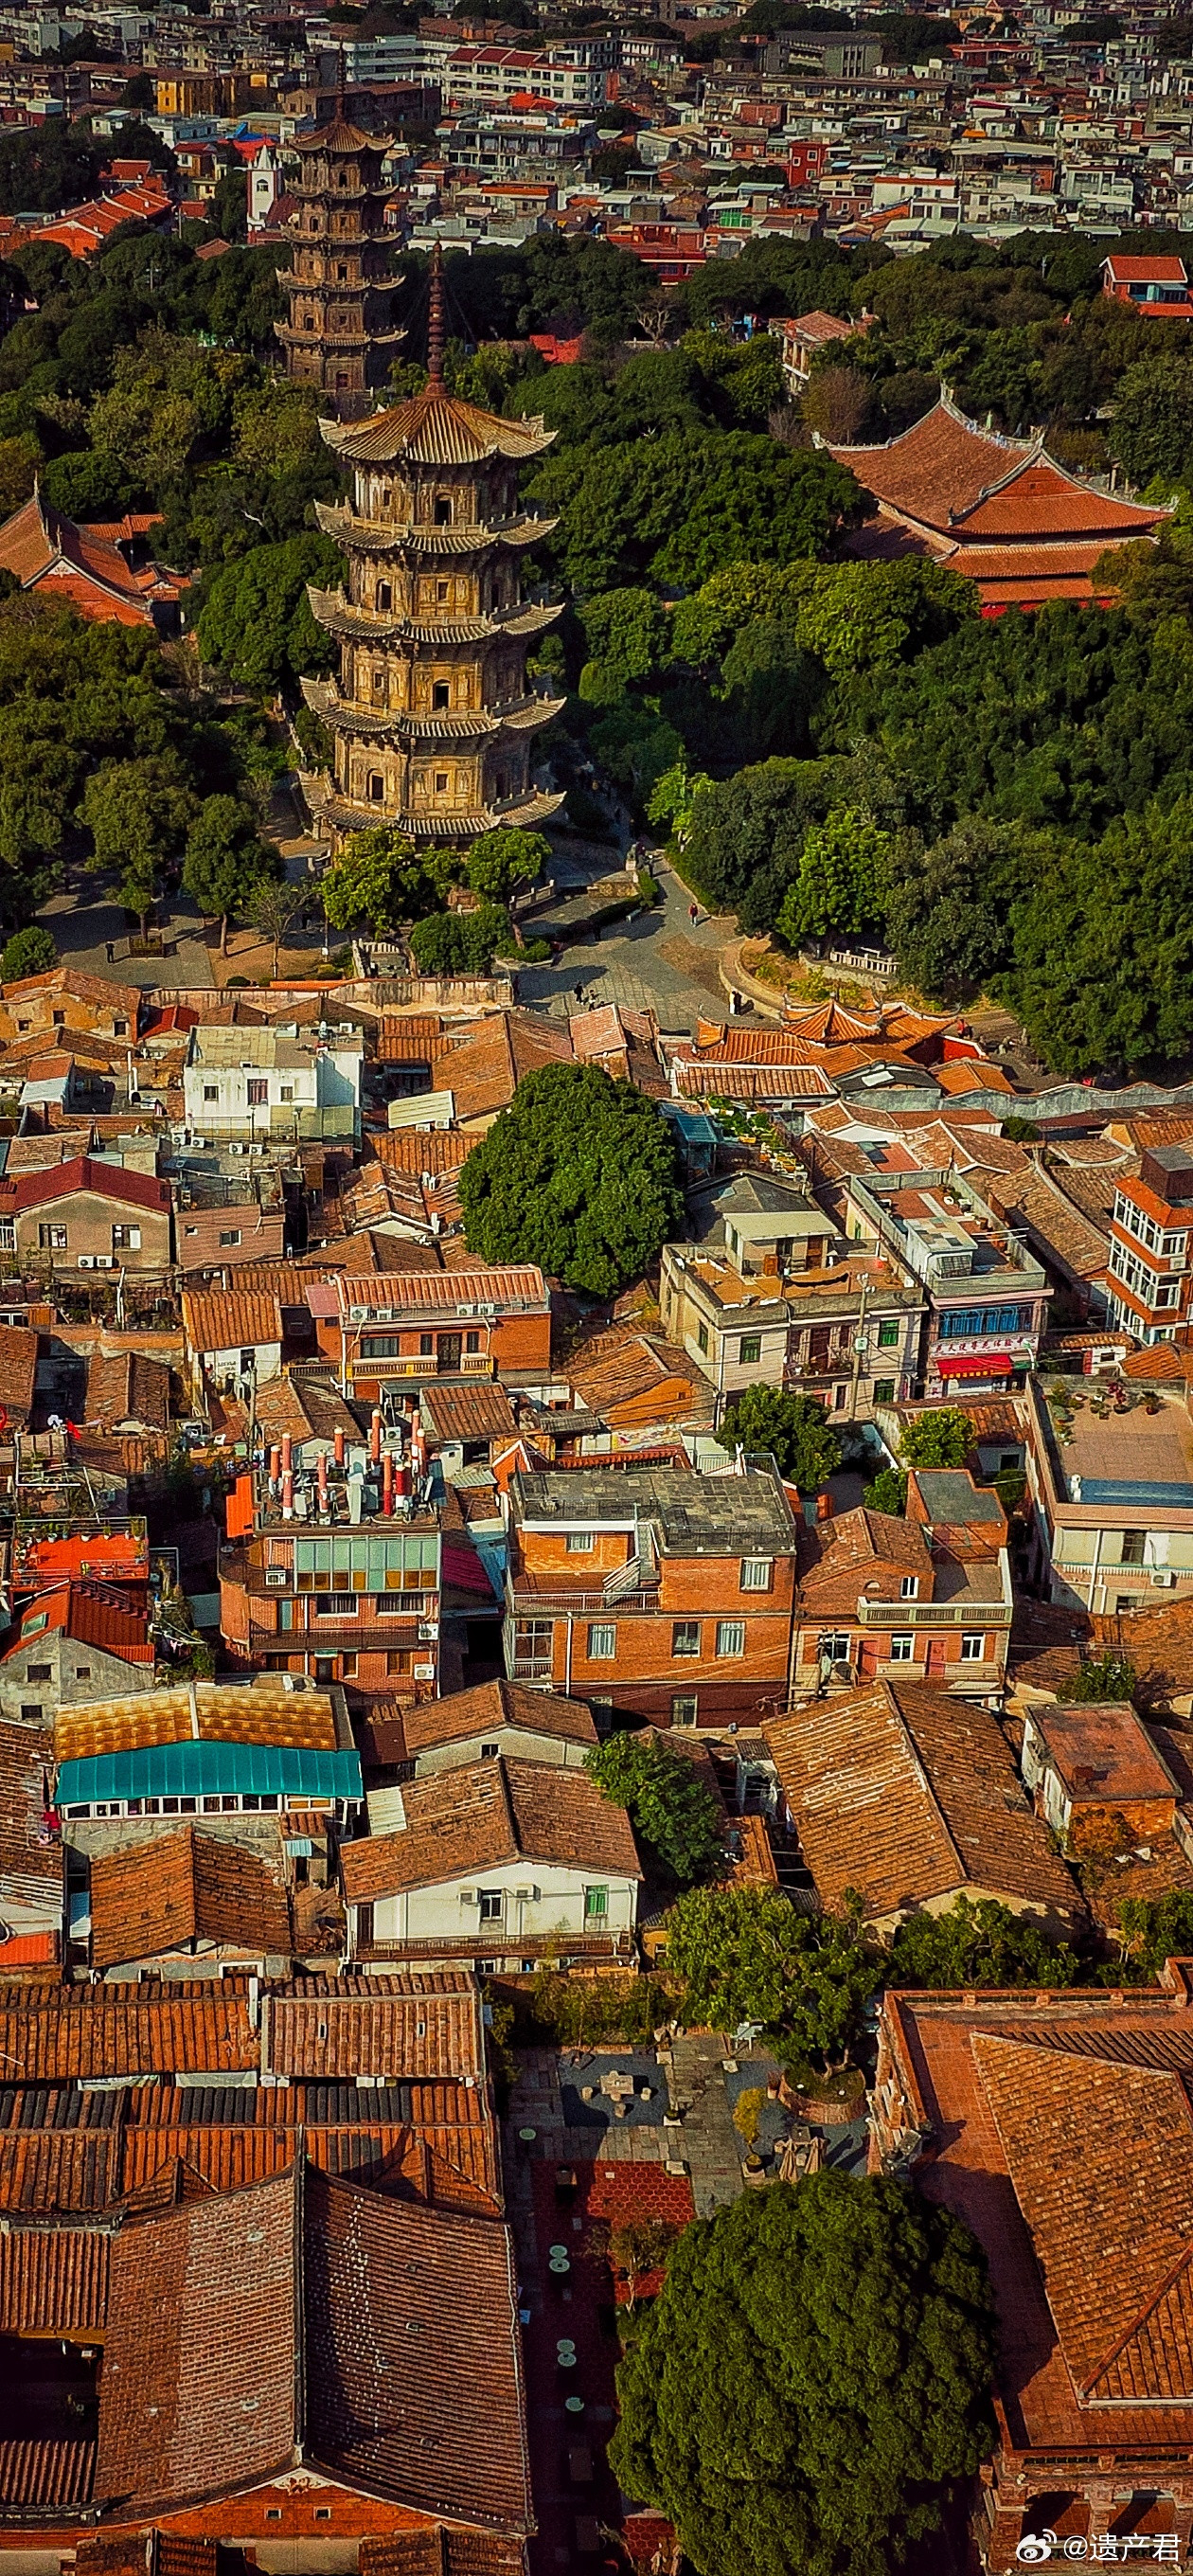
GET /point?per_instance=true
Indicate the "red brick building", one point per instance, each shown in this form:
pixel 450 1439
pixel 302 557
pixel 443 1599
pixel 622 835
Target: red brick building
pixel 652 1591
pixel 402 1328
pixel 924 1598
pixel 1151 1284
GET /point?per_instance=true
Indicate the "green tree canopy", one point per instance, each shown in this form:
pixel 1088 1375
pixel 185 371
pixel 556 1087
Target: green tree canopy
pixel 29 952
pixel 671 1810
pixel 579 1174
pixel 367 881
pixel 1103 1679
pixel 460 943
pixel 941 1438
pixel 256 621
pixel 812 2381
pixel 629 636
pixel 978 1944
pixel 1153 1929
pixel 504 859
pixel 138 813
pixel 227 860
pixel 745 1954
pixel 842 880
pixel 888 1493
pixel 794 1428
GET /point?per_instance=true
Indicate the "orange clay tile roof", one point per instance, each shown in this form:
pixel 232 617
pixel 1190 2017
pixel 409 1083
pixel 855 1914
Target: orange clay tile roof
pixel 53 2283
pixel 483 1070
pixel 177 1888
pixel 488 1813
pixel 91 1614
pixel 440 2553
pixel 218 1319
pixel 1061 2134
pixel 495 1704
pixel 419 2025
pixel 218 1713
pixel 64 2035
pixel 859 1552
pixel 907 1795
pixel 947 475
pixel 18 1368
pixel 419 1150
pixel 481 1412
pixel 1103 1752
pixel 30 1858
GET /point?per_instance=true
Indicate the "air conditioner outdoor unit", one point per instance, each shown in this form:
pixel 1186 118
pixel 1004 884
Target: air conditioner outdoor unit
pixel 275 1578
pixel 86 1261
pixel 524 1895
pixel 468 1896
pixel 1164 1578
pixel 104 1261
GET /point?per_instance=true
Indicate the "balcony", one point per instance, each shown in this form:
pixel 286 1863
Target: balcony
pixel 934 1614
pixel 531 1604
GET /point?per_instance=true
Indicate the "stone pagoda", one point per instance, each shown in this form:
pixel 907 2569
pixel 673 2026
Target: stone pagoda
pixel 432 717
pixel 337 336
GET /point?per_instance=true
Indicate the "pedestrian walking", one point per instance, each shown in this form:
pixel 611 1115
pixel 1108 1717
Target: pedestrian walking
pixel 693 914
pixel 578 990
pixel 111 952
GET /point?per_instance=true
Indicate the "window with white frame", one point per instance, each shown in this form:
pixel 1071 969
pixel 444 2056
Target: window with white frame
pixel 580 1542
pixel 731 1636
pixel 973 1650
pixel 490 1900
pixel 602 1641
pixel 756 1573
pixel 902 1648
pixel 909 1587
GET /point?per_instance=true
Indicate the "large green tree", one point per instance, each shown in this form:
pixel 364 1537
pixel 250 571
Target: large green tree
pixel 942 1437
pixel 579 1174
pixel 671 1810
pixel 138 813
pixel 227 860
pixel 978 1944
pixel 794 1428
pixel 842 881
pixel 812 2382
pixel 256 621
pixel 745 1954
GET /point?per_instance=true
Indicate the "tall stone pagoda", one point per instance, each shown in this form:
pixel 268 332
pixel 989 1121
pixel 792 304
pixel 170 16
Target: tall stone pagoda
pixel 338 336
pixel 432 716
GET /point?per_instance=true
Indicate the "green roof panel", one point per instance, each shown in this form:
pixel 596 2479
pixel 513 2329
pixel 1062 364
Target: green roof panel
pixel 210 1770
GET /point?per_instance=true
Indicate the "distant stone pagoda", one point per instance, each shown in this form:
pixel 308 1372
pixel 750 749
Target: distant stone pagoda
pixel 338 334
pixel 432 717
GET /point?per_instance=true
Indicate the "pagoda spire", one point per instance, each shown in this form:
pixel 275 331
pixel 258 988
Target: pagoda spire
pixel 435 321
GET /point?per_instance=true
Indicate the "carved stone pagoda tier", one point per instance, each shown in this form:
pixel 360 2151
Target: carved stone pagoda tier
pixel 432 716
pixel 338 335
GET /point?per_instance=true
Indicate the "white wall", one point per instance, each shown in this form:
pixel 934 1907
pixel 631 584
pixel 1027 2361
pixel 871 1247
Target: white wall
pixel 437 1913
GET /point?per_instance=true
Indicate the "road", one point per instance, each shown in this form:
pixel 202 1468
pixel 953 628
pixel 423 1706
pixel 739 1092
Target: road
pixel 659 960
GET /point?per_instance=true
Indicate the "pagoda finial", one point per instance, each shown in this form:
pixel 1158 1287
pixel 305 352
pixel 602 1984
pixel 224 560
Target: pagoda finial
pixel 435 323
pixel 341 95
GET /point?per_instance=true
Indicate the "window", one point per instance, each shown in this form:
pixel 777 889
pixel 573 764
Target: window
pixel 258 1091
pixel 685 1637
pixel 441 697
pixel 702 1340
pixel 288 1094
pixel 230 1235
pixel 376 787
pixel 31 1712
pixel 973 1650
pixel 909 1587
pixel 489 1752
pixel 978 1320
pixel 248 1363
pixel 731 1636
pixel 902 1649
pixel 888 1334
pixel 834 1649
pixel 884 1390
pixel 756 1573
pixel 426 1346
pixel 336 1605
pixel 120 1028
pixel 380 1346
pixel 472 1343
pixel 602 1642
pixel 37 1672
pixel 596 1904
pixel 442 590
pixel 385 597
pixel 126 1238
pixel 82 1673
pixel 684 1708
pixel 211 1091
pixel 8 1234
pixel 1134 1543
pixel 749 1350
pixel 443 510
pixel 52 1238
pixel 441 782
pixel 580 1542
pixel 491 1901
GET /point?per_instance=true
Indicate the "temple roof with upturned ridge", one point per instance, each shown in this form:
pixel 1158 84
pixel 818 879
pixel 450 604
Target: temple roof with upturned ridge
pixel 435 427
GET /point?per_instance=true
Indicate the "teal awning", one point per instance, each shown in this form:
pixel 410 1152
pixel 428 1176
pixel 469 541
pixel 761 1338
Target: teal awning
pixel 207 1770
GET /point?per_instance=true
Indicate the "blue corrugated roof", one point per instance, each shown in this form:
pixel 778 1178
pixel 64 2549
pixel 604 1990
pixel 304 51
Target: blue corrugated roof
pixel 207 1770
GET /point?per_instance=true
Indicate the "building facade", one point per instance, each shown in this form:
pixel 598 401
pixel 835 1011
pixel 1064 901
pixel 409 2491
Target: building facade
pixel 401 1328
pixel 432 715
pixel 1151 1285
pixel 337 335
pixel 652 1591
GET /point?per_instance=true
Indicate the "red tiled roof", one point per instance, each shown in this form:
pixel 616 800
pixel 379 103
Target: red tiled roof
pixel 947 475
pixel 183 1888
pixel 488 1813
pixel 66 1180
pixel 93 1614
